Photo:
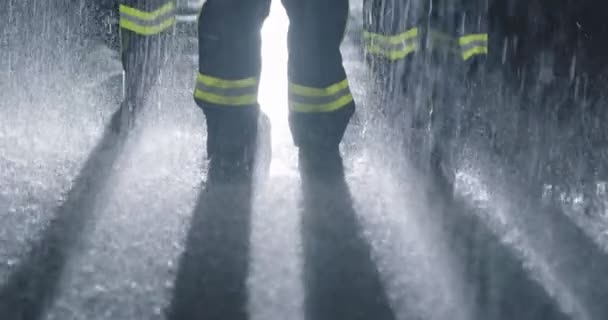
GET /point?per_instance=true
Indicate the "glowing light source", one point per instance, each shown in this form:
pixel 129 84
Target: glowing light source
pixel 273 88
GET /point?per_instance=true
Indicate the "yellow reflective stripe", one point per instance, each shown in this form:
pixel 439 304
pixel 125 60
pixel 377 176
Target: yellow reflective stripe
pixel 146 30
pixel 244 100
pixel 327 107
pixel 144 15
pixel 393 54
pixel 241 92
pixel 479 37
pixel 395 39
pixel 318 92
pixel 310 99
pixel 392 47
pixel 473 44
pixel 226 84
pixel 474 51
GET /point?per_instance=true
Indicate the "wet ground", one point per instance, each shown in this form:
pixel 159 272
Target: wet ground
pixel 95 229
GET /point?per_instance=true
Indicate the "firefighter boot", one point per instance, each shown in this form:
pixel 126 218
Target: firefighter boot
pixel 242 163
pixel 322 163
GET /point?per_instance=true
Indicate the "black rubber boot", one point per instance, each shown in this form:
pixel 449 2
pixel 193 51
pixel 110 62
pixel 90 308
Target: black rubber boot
pixel 231 167
pixel 321 163
pixel 242 164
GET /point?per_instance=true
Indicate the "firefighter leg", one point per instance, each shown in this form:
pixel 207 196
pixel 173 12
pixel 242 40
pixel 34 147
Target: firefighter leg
pixel 320 101
pixel 473 38
pixel 391 37
pixel 229 71
pixel 461 93
pixel 473 42
pixel 146 28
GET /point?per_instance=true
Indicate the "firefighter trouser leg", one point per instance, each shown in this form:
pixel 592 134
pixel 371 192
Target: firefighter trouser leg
pixel 472 34
pixel 390 28
pixel 229 72
pixel 391 35
pixel 320 101
pixel 473 44
pixel 146 27
pixel 230 63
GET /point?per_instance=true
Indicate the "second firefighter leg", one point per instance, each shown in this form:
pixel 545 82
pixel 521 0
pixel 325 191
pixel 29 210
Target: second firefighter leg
pixel 227 83
pixel 320 101
pixel 146 29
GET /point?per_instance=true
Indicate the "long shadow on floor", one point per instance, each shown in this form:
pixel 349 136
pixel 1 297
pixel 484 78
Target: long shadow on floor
pixel 340 277
pixel 499 286
pixel 212 274
pixel 502 286
pixel 574 260
pixel 32 288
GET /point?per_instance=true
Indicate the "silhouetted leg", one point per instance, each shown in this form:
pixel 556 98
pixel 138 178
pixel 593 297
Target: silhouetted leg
pixel 146 28
pixel 320 101
pixel 391 38
pixel 228 75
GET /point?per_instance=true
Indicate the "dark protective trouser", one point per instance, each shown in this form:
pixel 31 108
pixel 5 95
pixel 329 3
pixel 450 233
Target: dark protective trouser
pixel 439 46
pixel 434 45
pixel 146 28
pixel 320 101
pixel 448 30
pixel 414 37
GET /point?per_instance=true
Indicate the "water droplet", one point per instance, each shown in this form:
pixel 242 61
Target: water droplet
pixel 99 288
pixel 11 262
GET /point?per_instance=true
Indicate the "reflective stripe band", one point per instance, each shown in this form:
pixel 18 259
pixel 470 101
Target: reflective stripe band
pixel 479 37
pixel 395 39
pixel 393 54
pixel 328 107
pixel 394 47
pixel 147 23
pixel 473 44
pixel 245 100
pixel 226 84
pixel 242 92
pixel 146 31
pixel 296 89
pixel 227 92
pixel 297 98
pixel 473 52
pixel 309 99
pixel 149 16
